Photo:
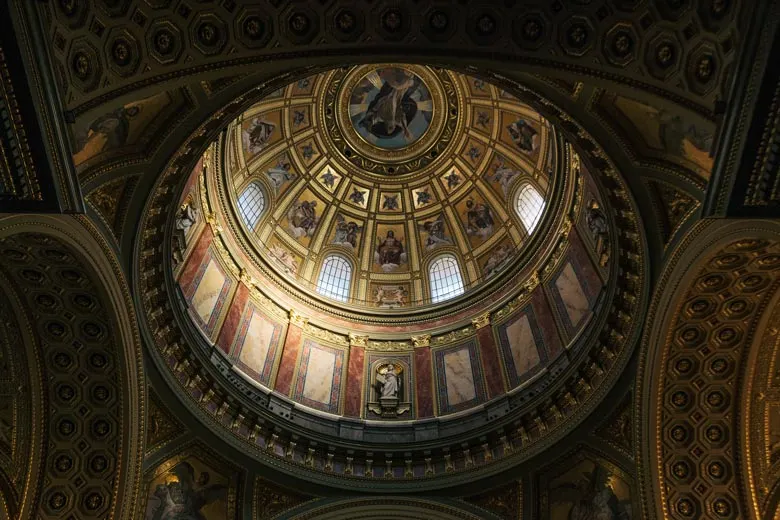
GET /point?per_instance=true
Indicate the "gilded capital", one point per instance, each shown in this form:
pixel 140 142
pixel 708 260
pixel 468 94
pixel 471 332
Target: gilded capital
pixel 357 340
pixel 297 319
pixel 423 340
pixel 483 320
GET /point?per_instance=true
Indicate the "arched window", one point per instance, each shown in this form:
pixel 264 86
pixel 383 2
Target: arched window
pixel 335 276
pixel 529 206
pixel 251 204
pixel 445 279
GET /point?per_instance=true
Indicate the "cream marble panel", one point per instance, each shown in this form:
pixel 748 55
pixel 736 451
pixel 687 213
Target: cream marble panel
pixel 257 342
pixel 319 375
pixel 572 294
pixel 206 295
pixel 459 376
pixel 522 345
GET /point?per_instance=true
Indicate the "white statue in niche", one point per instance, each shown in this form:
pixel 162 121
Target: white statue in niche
pixel 387 377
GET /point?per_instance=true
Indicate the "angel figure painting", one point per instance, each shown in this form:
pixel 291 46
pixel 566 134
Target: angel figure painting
pixel 347 232
pixel 390 253
pixel 257 135
pixel 435 233
pixel 479 219
pixel 391 108
pixel 503 174
pixel 590 491
pixel 183 493
pixel 302 218
pixel 524 135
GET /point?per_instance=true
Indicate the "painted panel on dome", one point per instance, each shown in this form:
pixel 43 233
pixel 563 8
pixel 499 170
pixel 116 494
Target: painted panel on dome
pixel 478 87
pixel 329 179
pixel 260 131
pixel 521 134
pixel 522 346
pixel 390 202
pixel 319 376
pixel 390 295
pixel 193 487
pixel 308 151
pixel 303 217
pixel 283 257
pixel 570 297
pixel 497 257
pixel 459 377
pixel 300 118
pixel 423 196
pixel 127 125
pixel 452 180
pixel 279 173
pixel 391 108
pixel 473 152
pixel 304 86
pixel 208 292
pixel 390 249
pixel 586 487
pixel 482 119
pixel 501 175
pixel 434 232
pixel 347 232
pixel 478 218
pixel 257 344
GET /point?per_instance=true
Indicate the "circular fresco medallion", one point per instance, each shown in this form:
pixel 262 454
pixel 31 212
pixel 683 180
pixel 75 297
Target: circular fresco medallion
pixel 391 119
pixel 391 108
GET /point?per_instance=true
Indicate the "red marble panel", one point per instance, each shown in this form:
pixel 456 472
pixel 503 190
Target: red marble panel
pixel 292 345
pixel 544 319
pixel 195 259
pixel 587 270
pixel 233 318
pixel 491 366
pixel 423 372
pixel 355 374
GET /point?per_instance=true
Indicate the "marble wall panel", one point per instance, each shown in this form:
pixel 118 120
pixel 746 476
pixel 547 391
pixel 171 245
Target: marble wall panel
pixel 257 344
pixel 229 328
pixel 459 377
pixel 490 362
pixel 319 376
pixel 522 346
pixel 569 298
pixel 590 279
pixel 355 377
pixel 423 381
pixel 195 259
pixel 292 346
pixel 208 293
pixel 543 315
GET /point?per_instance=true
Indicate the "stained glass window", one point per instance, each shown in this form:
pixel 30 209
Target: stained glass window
pixel 251 204
pixel 445 279
pixel 335 276
pixel 529 206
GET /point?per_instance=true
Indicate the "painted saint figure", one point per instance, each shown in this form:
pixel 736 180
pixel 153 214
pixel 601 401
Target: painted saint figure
pixel 108 131
pixel 435 233
pixel 303 219
pixel 280 173
pixel 503 175
pixel 479 219
pixel 257 136
pixel 390 252
pixel 390 202
pixel 524 135
pixel 346 232
pixel 497 259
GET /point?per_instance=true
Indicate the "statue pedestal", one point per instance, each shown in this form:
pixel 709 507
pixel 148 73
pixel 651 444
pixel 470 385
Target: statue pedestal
pixel 388 407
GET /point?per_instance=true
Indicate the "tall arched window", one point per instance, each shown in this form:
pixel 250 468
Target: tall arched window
pixel 445 279
pixel 335 277
pixel 529 206
pixel 251 204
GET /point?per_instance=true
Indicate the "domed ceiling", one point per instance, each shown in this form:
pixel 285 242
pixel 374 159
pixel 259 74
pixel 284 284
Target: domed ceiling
pixel 388 167
pixel 387 171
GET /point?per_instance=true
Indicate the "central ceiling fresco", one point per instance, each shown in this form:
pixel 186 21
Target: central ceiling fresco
pixel 388 167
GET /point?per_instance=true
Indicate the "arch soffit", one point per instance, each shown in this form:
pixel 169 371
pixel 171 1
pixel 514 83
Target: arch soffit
pixel 705 239
pixel 87 242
